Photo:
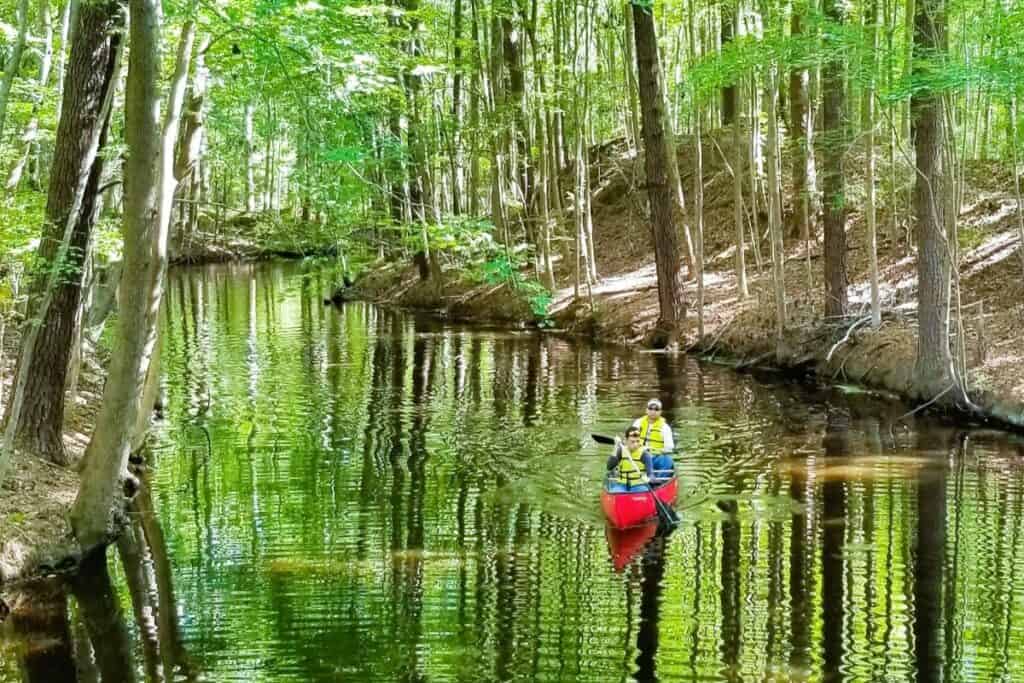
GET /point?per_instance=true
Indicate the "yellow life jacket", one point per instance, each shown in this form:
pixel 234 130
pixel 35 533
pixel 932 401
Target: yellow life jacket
pixel 650 434
pixel 628 474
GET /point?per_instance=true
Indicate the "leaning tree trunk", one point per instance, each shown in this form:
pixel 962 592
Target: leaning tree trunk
pixel 666 248
pixel 36 411
pixel 149 192
pixel 933 372
pixel 833 145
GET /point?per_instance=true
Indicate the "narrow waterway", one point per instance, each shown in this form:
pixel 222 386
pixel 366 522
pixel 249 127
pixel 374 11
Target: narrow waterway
pixel 354 493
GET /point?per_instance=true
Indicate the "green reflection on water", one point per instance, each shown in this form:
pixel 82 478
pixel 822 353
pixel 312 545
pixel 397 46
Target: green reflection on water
pixel 387 498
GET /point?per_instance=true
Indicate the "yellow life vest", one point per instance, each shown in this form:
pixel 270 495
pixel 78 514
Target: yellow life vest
pixel 650 434
pixel 628 474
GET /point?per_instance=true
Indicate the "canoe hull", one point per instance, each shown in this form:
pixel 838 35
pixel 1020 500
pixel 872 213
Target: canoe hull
pixel 629 509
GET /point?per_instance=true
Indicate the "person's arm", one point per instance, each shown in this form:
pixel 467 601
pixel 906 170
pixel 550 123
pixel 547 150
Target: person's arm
pixel 666 436
pixel 648 465
pixel 613 459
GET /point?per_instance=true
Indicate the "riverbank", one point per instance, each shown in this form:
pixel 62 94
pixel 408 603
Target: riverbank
pixel 621 307
pixel 35 534
pixel 243 236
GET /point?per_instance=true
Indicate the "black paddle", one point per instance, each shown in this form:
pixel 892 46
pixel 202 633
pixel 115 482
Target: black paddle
pixel 666 515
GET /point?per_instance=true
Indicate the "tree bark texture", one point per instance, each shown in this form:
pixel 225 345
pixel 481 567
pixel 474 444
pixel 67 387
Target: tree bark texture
pixel 71 199
pixel 666 242
pixel 933 369
pixel 833 143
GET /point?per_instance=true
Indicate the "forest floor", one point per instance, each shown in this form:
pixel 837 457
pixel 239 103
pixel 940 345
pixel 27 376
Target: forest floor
pixel 35 534
pixel 622 306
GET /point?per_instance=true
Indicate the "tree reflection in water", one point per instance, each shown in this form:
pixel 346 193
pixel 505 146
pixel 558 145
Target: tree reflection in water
pixel 73 630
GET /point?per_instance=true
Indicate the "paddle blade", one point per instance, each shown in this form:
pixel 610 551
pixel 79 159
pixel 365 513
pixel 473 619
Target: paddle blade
pixel 601 438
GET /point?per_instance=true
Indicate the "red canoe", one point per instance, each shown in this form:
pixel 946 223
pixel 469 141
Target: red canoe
pixel 631 508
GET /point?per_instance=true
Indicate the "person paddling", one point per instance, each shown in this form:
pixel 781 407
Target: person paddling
pixel 632 461
pixel 656 435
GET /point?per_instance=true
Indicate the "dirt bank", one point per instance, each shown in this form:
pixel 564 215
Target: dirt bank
pixel 35 535
pixel 622 306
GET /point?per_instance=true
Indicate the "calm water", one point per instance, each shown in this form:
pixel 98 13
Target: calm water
pixel 388 498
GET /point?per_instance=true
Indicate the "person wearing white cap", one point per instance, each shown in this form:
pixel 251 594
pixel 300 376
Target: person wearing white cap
pixel 656 435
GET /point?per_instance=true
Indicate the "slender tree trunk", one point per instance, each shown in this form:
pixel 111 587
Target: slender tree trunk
pixel 698 185
pixel 187 163
pixel 774 206
pixel 29 138
pixel 268 155
pixel 737 200
pixel 833 144
pixel 456 136
pixel 869 163
pixel 730 95
pixel 250 159
pixel 474 115
pixel 666 248
pixel 1016 178
pixel 35 413
pixel 13 62
pixel 149 192
pixel 798 101
pixel 68 21
pixel 933 369
pixel 629 66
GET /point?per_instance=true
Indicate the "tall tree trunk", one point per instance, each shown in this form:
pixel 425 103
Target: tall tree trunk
pixel 775 206
pixel 666 247
pixel 933 371
pixel 186 165
pixel 473 190
pixel 13 62
pixel 729 13
pixel 1016 177
pixel 869 163
pixel 68 21
pixel 698 184
pixel 456 137
pixel 799 134
pixel 149 192
pixel 737 200
pixel 36 410
pixel 629 66
pixel 833 143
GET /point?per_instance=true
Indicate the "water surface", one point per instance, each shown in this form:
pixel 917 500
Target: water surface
pixel 354 493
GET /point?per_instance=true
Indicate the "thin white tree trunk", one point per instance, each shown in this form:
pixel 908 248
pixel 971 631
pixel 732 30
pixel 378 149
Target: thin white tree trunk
pixel 250 161
pixel 67 27
pixel 13 62
pixel 32 129
pixel 774 202
pixel 149 193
